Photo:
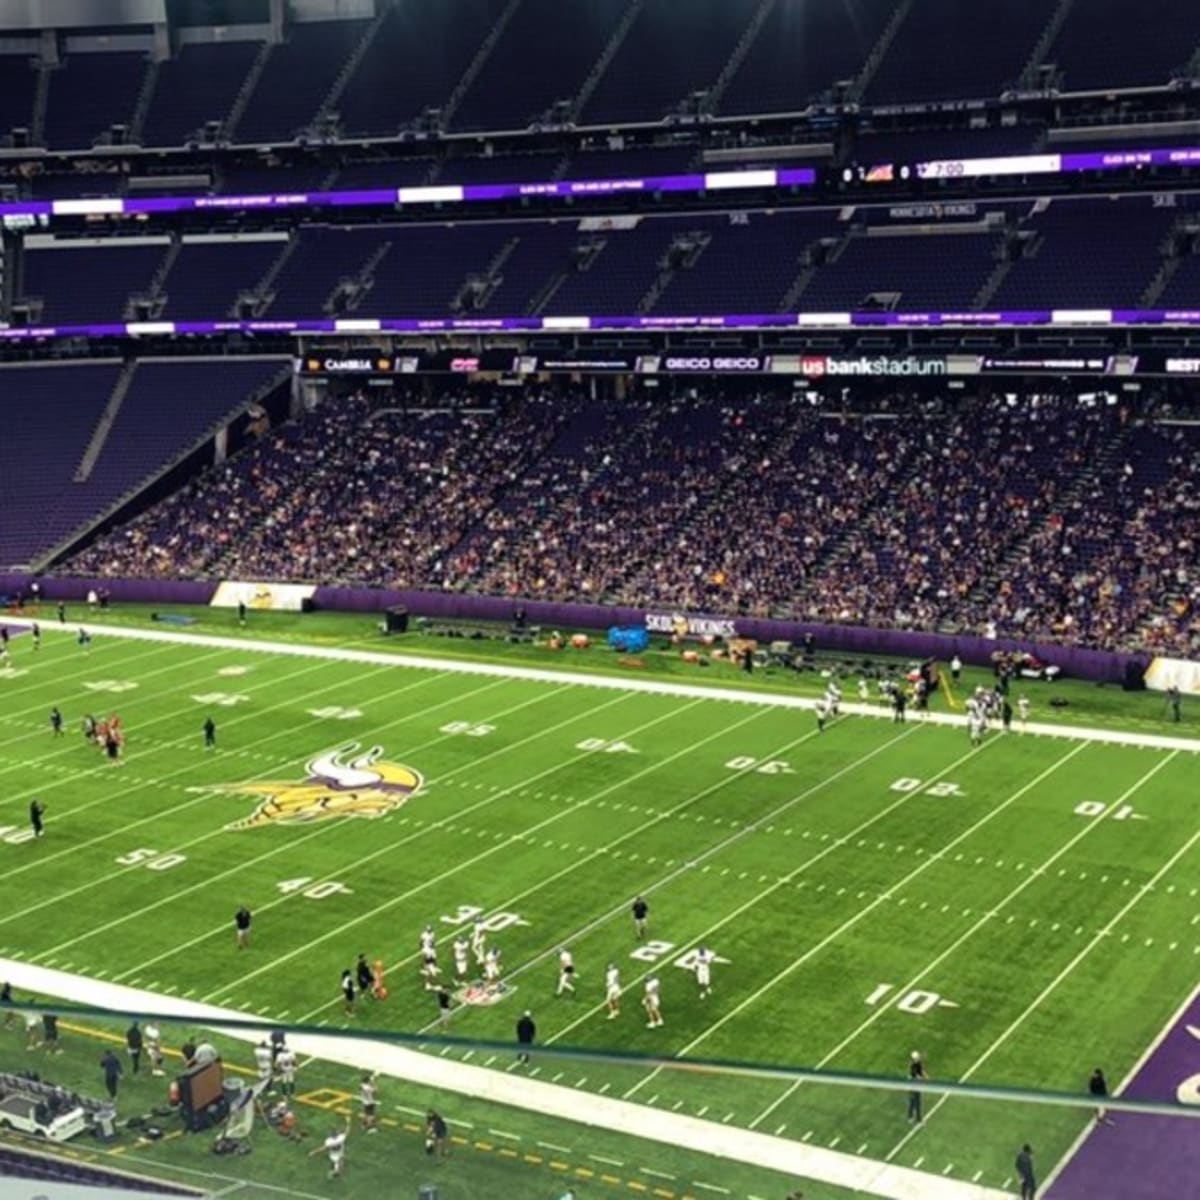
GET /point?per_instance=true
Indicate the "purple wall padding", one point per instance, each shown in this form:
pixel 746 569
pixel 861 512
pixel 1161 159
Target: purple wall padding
pixel 857 640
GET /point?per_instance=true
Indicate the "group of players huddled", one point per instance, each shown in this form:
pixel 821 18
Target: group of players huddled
pixel 983 706
pixel 473 955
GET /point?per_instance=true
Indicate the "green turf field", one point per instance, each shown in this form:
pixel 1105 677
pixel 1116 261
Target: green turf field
pixel 1018 913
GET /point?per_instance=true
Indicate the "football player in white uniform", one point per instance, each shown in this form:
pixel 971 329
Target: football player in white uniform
pixel 429 966
pixel 479 942
pixel 335 1146
pixel 833 696
pixel 566 972
pixel 263 1061
pixel 461 960
pixel 154 1050
pixel 864 689
pixel 824 711
pixel 1023 711
pixel 976 722
pixel 652 1003
pixel 285 1070
pixel 703 968
pixel 491 965
pixel 612 991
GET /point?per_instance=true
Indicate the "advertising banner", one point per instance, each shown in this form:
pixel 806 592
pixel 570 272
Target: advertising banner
pixel 362 362
pixel 1164 673
pixel 268 597
pixel 685 626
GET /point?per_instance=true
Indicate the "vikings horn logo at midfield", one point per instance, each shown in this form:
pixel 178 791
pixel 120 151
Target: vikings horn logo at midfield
pixel 337 786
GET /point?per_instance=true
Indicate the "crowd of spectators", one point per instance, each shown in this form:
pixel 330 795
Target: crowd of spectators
pixel 1052 518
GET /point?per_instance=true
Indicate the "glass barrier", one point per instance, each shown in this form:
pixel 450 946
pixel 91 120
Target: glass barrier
pixel 240 1109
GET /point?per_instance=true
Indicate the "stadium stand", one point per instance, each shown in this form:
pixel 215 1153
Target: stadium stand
pixel 503 168
pixel 94 282
pixel 1088 253
pixel 662 61
pixel 32 1165
pixel 557 45
pixel 196 86
pixel 295 80
pixel 18 81
pixel 451 66
pixel 927 145
pixel 978 49
pixel 419 267
pixel 206 278
pixel 618 270
pixel 759 261
pixel 414 62
pixel 164 409
pixel 952 517
pixel 919 272
pixel 1121 42
pixel 89 93
pixel 801 50
pixel 623 164
pixel 1093 252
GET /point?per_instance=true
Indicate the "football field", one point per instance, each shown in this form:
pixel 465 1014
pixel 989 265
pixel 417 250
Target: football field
pixel 1018 913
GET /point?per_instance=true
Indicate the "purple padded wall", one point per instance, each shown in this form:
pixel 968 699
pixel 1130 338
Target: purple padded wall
pixel 1099 665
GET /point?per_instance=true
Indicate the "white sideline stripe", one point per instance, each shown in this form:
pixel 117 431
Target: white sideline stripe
pixel 1091 1126
pixel 617 1116
pixel 1128 907
pixel 1115 737
pixel 983 921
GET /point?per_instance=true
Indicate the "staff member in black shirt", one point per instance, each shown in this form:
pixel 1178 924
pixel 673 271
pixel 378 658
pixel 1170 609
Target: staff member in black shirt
pixel 36 811
pixel 436 1140
pixel 526 1032
pixel 241 922
pixel 1028 1180
pixel 640 912
pixel 916 1072
pixel 366 977
pixel 1098 1086
pixel 111 1065
pixel 133 1039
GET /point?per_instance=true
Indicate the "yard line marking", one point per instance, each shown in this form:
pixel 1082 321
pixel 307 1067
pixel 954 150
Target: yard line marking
pixel 515 1137
pixel 102 766
pixel 574 864
pixel 318 831
pixel 388 848
pixel 732 838
pixel 656 1174
pixel 608 1162
pixel 851 922
pixel 556 1149
pixel 37 684
pixel 1069 969
pixel 164 813
pixel 984 920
